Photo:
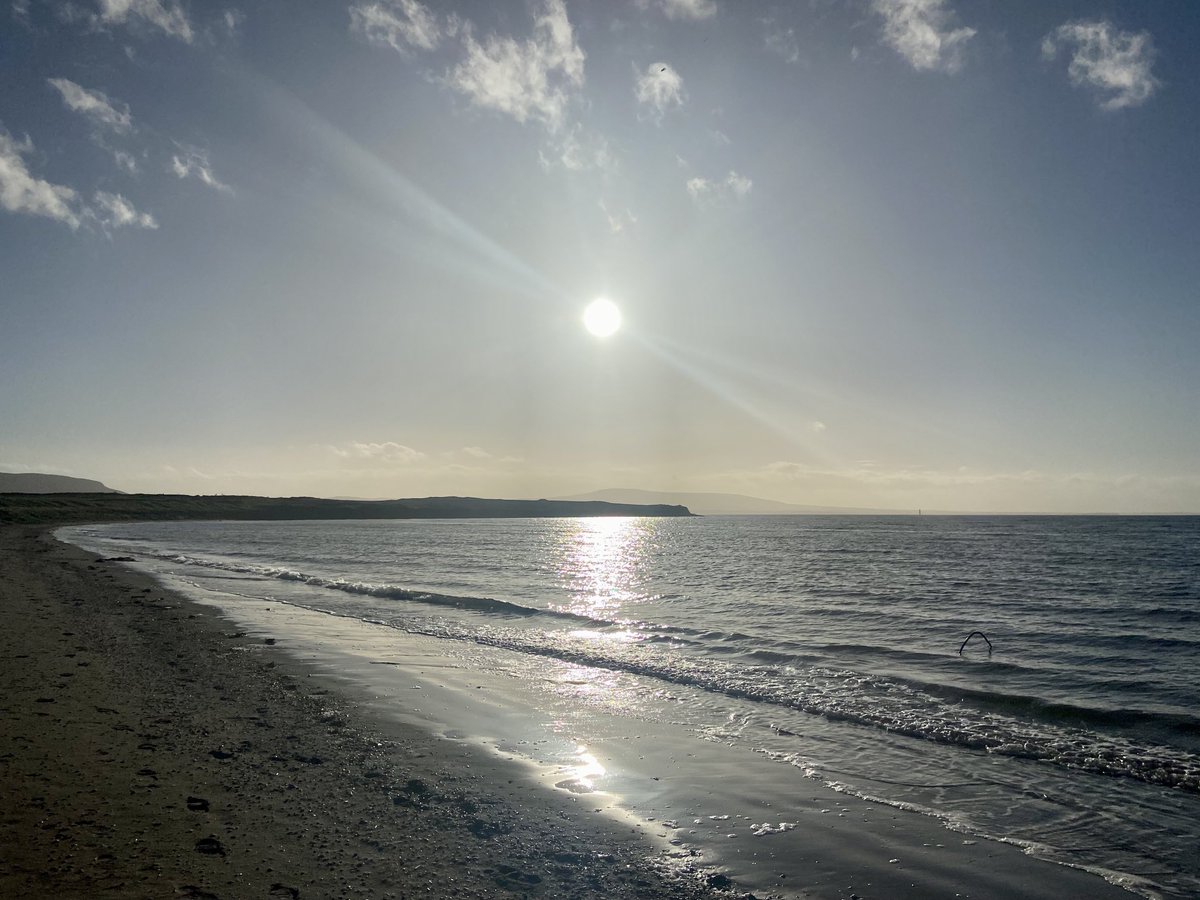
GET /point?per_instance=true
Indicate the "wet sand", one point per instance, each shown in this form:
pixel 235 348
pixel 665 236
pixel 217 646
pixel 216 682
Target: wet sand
pixel 154 747
pixel 149 750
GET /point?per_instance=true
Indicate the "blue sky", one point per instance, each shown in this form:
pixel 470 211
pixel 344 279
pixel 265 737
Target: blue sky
pixel 874 253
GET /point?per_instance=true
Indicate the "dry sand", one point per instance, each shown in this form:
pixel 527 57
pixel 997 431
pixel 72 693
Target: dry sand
pixel 146 750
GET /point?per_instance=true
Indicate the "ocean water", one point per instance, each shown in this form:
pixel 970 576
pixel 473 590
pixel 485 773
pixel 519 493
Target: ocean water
pixel 830 645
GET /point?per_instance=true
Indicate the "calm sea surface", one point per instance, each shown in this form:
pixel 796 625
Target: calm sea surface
pixel 1077 735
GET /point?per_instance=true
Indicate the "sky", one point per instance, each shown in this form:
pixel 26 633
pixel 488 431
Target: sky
pixel 874 253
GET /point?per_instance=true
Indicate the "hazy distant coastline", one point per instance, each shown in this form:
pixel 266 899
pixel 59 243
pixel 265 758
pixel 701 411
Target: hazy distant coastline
pixel 704 503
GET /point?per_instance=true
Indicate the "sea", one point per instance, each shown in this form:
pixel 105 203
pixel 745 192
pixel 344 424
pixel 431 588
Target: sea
pixel 834 648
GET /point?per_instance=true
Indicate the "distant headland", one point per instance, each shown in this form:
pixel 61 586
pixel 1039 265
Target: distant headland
pixel 42 483
pixel 55 508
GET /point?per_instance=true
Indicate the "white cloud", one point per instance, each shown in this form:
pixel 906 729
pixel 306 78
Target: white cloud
pixel 21 192
pixel 168 16
pixel 537 79
pixel 20 11
pixel 921 31
pixel 1116 63
pixel 192 162
pixel 95 106
pixel 660 87
pixel 386 451
pixel 818 427
pixel 398 24
pixel 114 211
pixel 531 79
pixel 732 187
pixel 233 20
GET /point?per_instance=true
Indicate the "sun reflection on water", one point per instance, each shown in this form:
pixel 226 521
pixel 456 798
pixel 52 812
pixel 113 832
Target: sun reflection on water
pixel 580 774
pixel 602 564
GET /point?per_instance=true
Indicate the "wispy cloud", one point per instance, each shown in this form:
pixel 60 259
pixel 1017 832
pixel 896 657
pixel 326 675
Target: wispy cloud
pixel 124 160
pixel 482 456
pixel 618 220
pixel 93 105
pixel 1113 62
pixel 233 20
pixel 923 32
pixel 732 187
pixel 114 211
pixel 398 24
pixel 192 162
pixel 167 16
pixel 534 79
pixel 782 42
pixel 578 149
pixel 108 118
pixel 384 451
pixel 683 9
pixel 658 89
pixel 22 192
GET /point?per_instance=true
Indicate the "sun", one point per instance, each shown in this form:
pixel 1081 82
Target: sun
pixel 602 318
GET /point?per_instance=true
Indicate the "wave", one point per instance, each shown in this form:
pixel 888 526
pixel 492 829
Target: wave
pixel 891 706
pixel 385 591
pixel 1039 708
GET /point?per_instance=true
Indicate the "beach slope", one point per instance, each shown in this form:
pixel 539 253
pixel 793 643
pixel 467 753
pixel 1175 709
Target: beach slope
pixel 149 751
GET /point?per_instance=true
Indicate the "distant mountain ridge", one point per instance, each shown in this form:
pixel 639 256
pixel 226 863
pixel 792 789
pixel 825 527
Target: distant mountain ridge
pixel 716 504
pixel 41 483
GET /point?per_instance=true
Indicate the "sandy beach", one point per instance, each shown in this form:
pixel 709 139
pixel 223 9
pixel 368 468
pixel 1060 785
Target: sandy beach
pixel 154 746
pixel 148 750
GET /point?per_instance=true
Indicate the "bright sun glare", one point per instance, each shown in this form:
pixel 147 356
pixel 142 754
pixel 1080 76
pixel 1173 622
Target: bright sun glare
pixel 602 318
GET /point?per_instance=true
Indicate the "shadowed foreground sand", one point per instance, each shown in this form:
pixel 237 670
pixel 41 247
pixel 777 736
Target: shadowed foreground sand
pixel 147 750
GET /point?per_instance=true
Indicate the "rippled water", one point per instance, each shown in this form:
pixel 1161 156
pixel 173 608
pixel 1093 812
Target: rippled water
pixel 1077 734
